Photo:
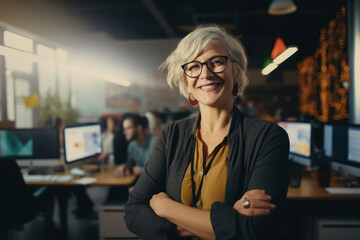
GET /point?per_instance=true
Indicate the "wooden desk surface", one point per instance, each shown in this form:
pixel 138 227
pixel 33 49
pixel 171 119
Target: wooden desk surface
pixel 309 190
pixel 105 177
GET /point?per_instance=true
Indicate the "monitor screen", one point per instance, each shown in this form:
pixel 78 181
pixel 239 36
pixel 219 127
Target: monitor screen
pixel 82 142
pixel 328 140
pixel 350 165
pixel 299 137
pixel 29 146
pixel 335 142
pixel 354 144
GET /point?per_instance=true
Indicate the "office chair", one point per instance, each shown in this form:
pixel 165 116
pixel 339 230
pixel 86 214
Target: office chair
pixel 17 204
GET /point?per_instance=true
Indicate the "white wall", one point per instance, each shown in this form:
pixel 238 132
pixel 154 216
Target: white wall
pixel 136 61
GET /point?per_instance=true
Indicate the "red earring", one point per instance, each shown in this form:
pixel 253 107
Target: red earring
pixel 235 89
pixel 192 100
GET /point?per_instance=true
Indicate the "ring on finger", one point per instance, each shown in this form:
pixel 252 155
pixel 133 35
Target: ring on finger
pixel 246 203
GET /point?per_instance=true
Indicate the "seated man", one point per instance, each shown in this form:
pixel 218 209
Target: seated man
pixel 140 145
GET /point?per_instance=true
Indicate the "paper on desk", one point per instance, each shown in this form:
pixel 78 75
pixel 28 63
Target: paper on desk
pixel 86 180
pixel 333 190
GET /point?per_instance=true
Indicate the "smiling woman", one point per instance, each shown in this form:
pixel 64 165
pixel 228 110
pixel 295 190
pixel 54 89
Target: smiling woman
pixel 212 175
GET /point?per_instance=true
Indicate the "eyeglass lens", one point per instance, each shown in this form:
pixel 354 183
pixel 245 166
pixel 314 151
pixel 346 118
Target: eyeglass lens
pixel 214 64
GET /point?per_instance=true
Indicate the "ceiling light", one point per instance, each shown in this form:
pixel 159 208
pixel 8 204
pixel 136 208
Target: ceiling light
pixel 279 47
pixel 285 55
pixel 280 52
pixel 282 7
pixel 269 66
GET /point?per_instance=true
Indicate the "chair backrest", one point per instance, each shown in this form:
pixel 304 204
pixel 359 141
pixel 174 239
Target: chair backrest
pixel 17 204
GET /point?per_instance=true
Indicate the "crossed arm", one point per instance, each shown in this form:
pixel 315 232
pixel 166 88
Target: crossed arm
pixel 196 222
pixel 148 214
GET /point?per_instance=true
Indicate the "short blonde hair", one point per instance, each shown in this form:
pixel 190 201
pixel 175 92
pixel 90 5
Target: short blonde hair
pixel 190 47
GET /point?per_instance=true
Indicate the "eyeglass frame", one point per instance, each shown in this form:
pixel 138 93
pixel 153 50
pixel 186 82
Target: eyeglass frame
pixel 205 63
pixel 128 128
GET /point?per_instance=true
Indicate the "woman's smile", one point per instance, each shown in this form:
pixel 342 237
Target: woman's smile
pixel 210 87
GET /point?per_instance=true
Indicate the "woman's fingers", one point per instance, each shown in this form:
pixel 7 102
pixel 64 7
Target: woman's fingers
pixel 257 194
pixel 254 203
pixel 261 204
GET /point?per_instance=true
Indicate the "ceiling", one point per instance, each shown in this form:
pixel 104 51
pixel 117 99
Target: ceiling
pixel 162 19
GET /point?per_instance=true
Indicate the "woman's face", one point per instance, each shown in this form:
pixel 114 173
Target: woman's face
pixel 212 89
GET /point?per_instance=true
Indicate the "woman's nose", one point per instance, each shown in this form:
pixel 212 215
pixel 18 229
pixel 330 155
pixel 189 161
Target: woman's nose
pixel 205 71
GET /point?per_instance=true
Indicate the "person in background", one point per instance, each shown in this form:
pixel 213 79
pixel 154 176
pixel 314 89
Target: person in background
pixel 240 104
pixel 120 143
pixel 221 174
pixel 165 115
pixel 182 113
pixel 251 108
pixel 139 148
pixel 108 138
pixel 154 122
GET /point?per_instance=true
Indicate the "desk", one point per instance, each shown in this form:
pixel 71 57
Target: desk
pixel 308 203
pixel 105 177
pixel 309 190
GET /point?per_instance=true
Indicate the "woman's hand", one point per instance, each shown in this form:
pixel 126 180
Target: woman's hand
pixel 259 203
pixel 159 202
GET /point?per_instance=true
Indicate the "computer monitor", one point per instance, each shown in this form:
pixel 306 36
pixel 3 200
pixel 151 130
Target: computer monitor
pixel 82 142
pixel 300 137
pixel 30 147
pixel 335 142
pixel 351 165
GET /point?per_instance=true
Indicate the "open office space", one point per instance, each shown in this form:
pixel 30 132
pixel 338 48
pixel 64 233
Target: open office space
pixel 69 67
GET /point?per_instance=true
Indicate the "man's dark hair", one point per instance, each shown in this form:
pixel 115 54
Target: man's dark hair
pixel 137 120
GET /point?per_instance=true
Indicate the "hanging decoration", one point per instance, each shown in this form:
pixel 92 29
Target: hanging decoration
pixel 324 77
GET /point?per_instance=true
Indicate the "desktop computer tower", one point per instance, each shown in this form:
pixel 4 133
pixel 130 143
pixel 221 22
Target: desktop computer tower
pixel 112 224
pixel 337 228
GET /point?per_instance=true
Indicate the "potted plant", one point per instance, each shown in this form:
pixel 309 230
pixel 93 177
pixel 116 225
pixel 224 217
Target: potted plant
pixel 52 107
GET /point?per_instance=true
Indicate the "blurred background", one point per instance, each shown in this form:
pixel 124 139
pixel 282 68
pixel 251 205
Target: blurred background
pixel 80 59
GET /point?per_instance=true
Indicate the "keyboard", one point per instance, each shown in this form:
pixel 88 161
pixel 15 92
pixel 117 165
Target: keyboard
pixel 47 178
pixel 333 190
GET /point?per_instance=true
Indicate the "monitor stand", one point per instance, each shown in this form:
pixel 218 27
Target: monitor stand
pixel 85 168
pixel 33 170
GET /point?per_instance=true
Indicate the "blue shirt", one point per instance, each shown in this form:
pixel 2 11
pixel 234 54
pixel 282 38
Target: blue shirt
pixel 140 155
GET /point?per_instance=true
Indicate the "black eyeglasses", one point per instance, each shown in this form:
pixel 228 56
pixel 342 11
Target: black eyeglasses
pixel 215 64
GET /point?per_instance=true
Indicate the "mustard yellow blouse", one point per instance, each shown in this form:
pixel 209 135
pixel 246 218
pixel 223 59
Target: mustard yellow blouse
pixel 213 189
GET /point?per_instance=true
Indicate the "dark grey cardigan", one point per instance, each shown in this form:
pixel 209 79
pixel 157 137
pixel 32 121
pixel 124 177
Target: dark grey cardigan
pixel 258 155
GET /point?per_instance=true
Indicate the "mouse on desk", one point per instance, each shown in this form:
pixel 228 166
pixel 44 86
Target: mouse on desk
pixel 77 171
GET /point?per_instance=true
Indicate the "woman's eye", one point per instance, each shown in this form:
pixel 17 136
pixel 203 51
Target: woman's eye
pixel 217 62
pixel 193 67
